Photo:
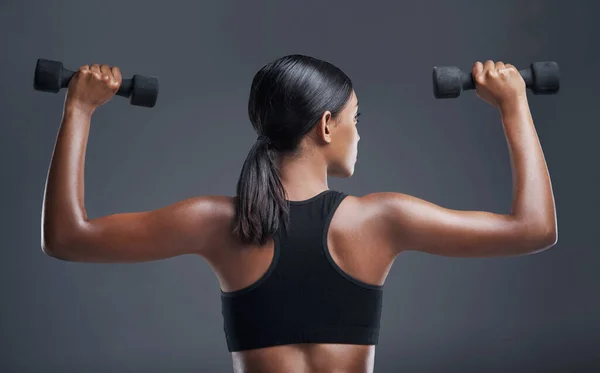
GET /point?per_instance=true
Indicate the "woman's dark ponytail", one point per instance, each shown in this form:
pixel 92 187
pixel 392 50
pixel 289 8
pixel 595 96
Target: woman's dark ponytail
pixel 261 204
pixel 287 98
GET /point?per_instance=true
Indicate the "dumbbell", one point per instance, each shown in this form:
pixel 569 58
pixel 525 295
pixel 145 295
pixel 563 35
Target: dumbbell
pixel 51 76
pixel 541 77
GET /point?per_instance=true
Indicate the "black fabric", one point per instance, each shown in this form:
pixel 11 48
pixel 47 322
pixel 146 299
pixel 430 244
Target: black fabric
pixel 303 297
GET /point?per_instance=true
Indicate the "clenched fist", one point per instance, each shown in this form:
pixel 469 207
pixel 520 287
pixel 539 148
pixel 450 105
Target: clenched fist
pixel 498 83
pixel 93 86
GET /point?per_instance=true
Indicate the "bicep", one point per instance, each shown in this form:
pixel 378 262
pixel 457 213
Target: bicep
pixel 410 223
pixel 186 227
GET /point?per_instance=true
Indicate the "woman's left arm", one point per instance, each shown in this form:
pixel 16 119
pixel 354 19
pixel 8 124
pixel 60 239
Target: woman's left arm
pixel 193 226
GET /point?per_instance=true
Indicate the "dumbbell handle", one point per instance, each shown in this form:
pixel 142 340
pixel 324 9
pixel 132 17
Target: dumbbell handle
pixel 125 89
pixel 468 81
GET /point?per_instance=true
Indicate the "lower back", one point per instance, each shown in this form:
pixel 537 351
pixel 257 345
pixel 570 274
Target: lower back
pixel 305 358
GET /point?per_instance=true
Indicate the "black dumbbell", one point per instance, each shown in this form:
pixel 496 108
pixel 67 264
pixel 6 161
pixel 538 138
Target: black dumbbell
pixel 540 77
pixel 51 76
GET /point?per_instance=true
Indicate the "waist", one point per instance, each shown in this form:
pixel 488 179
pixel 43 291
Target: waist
pixel 306 358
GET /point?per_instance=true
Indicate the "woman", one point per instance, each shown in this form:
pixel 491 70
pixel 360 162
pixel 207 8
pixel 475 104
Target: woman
pixel 301 267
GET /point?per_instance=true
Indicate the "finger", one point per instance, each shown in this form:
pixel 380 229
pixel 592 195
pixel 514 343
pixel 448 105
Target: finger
pixel 106 73
pixel 95 68
pixel 477 69
pixel 499 65
pixel 83 70
pixel 116 72
pixel 105 69
pixel 489 66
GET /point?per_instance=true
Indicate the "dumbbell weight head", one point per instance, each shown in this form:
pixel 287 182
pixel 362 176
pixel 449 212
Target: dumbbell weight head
pixel 447 81
pixel 144 90
pixel 545 77
pixel 48 76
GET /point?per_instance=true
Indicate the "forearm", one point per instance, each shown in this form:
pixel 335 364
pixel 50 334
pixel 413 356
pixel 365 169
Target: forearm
pixel 533 200
pixel 63 207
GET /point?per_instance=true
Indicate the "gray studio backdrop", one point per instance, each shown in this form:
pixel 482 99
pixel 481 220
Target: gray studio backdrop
pixel 536 313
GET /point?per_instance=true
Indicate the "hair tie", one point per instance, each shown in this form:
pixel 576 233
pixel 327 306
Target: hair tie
pixel 264 138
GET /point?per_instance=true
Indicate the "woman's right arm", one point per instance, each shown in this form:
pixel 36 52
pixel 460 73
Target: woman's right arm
pixel 409 223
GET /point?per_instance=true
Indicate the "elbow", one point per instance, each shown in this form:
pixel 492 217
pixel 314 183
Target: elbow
pixel 56 247
pixel 550 237
pixel 55 251
pixel 62 241
pixel 545 239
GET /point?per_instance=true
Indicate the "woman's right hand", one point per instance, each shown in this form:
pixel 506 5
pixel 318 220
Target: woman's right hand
pixel 92 86
pixel 498 84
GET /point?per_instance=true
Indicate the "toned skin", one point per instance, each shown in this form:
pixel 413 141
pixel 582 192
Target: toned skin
pixel 366 234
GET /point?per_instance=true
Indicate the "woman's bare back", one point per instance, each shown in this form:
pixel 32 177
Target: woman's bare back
pixel 355 251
